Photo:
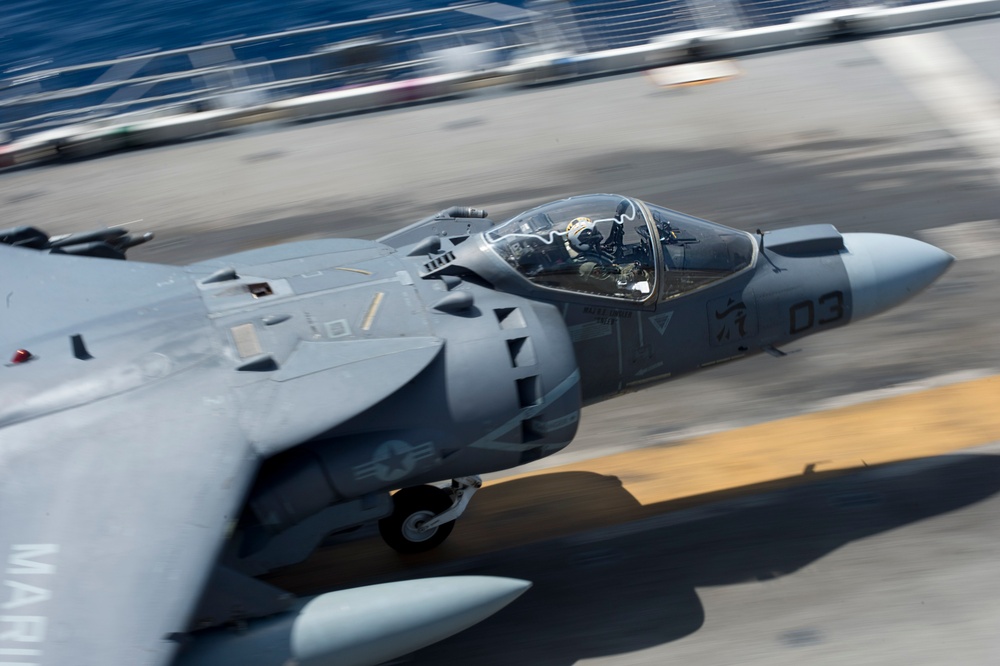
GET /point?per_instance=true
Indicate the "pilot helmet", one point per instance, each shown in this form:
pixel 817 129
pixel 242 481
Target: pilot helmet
pixel 583 235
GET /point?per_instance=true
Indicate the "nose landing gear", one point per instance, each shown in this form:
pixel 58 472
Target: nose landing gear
pixel 424 516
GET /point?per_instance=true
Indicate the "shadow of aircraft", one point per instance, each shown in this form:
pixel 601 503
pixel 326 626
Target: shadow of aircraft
pixel 633 586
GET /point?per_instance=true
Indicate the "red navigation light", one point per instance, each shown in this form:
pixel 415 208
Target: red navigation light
pixel 20 356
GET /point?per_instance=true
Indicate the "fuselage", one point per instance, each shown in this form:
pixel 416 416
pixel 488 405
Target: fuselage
pixel 467 355
pixel 161 420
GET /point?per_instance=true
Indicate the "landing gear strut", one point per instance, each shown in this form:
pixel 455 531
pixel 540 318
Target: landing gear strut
pixel 424 516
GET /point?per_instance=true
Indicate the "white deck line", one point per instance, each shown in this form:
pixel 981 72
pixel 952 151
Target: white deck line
pixel 951 87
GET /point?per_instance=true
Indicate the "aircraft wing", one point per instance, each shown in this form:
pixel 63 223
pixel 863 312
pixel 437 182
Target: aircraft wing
pixel 111 517
pixel 129 442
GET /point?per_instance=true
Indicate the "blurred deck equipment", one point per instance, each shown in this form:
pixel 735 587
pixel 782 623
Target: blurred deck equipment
pixel 693 73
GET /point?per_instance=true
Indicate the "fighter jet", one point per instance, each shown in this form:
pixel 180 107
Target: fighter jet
pixel 170 433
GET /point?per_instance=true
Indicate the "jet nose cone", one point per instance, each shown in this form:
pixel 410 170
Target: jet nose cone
pixel 885 270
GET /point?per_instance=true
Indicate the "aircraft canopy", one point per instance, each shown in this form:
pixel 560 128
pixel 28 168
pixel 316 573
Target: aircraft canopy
pixel 601 244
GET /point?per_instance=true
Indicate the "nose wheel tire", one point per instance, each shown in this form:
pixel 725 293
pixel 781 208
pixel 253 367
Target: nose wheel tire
pixel 411 508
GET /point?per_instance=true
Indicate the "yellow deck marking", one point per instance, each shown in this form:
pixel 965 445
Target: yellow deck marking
pixel 636 484
pixel 910 426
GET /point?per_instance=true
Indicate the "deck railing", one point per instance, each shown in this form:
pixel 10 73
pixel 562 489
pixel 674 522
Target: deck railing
pixel 462 37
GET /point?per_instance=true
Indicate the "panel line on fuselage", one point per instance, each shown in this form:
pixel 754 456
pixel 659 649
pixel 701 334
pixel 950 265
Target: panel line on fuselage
pixel 488 441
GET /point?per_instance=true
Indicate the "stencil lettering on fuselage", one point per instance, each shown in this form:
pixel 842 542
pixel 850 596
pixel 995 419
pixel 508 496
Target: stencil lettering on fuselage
pixel 727 319
pixel 22 628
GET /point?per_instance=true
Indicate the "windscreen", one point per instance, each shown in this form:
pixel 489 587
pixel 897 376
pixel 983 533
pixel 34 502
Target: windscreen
pixel 697 252
pixel 595 244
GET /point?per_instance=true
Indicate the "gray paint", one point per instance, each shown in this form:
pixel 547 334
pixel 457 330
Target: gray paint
pixel 319 375
pixel 361 626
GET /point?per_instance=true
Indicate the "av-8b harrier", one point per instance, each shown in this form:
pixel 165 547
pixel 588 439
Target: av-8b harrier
pixel 168 434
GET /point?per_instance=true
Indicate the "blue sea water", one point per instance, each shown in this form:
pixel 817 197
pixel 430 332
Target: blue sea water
pixel 67 32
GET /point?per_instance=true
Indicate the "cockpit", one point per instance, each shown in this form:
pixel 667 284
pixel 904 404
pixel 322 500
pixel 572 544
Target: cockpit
pixel 603 244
